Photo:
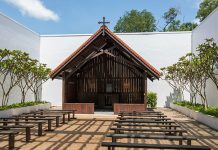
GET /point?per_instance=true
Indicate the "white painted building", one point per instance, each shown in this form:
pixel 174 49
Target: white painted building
pixel 158 48
pixel 207 29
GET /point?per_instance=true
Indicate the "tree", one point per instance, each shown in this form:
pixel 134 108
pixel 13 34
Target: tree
pixel 172 74
pixel 188 26
pixel 208 56
pixel 187 74
pixel 39 74
pixel 170 18
pixel 18 69
pixel 136 21
pixel 173 26
pixel 200 80
pixel 10 69
pixel 26 63
pixel 206 7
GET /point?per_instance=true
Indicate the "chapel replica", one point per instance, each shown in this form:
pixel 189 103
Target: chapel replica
pixel 104 73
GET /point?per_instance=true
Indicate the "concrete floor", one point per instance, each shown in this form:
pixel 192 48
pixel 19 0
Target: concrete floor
pixel 88 131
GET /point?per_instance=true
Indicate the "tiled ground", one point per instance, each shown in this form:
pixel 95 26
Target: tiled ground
pixel 88 131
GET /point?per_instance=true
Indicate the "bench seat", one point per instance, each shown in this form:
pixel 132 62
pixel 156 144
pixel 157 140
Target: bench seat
pixel 111 145
pixel 149 136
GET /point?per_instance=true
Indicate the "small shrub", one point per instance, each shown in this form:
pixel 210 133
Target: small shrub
pixel 18 105
pixel 151 99
pixel 213 111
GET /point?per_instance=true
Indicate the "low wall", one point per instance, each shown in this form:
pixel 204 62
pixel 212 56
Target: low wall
pixel 118 107
pixel 203 118
pixel 28 109
pixel 81 108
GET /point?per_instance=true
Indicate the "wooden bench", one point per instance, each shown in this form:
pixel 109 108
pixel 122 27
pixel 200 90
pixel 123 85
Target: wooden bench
pixel 146 121
pixel 111 145
pixel 141 118
pixel 68 112
pixel 149 136
pixel 144 116
pixel 170 131
pixel 147 125
pixel 57 117
pixel 48 114
pixel 147 111
pixel 26 127
pixel 43 119
pixel 11 137
pixel 141 113
pixel 17 118
pixel 39 123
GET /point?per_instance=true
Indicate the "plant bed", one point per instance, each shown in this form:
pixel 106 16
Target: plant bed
pixel 206 119
pixel 20 108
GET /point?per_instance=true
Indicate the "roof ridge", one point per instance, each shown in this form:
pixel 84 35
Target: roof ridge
pixel 120 41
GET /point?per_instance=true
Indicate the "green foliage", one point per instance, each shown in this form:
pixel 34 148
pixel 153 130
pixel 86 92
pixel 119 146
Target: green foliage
pixel 136 21
pixel 213 111
pixel 191 72
pixel 18 69
pixel 172 24
pixel 188 26
pixel 151 99
pixel 208 57
pixel 144 21
pixel 170 19
pixel 19 105
pixel 206 7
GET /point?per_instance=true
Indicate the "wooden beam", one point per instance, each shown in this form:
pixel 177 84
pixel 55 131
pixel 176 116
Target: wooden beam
pixel 89 57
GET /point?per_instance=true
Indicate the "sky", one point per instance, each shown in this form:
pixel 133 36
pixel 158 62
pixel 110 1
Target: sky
pixel 82 16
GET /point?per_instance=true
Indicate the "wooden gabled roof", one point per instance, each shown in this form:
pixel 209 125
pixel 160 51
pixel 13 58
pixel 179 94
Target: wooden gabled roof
pixel 105 29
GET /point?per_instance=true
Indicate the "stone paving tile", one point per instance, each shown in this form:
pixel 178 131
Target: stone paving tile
pixel 88 132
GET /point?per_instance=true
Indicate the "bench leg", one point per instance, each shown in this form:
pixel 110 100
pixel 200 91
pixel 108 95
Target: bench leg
pixel 74 115
pixel 26 118
pixel 5 123
pixel 68 116
pixel 64 119
pixel 189 142
pixel 109 148
pixel 28 134
pixel 17 121
pixel 57 121
pixel 40 129
pixel 114 140
pixel 49 125
pixel 180 141
pixel 11 141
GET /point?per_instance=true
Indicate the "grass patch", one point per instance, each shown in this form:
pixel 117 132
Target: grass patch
pixel 213 111
pixel 19 105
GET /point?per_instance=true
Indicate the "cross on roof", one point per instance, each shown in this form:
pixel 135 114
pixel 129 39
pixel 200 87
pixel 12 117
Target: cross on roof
pixel 103 22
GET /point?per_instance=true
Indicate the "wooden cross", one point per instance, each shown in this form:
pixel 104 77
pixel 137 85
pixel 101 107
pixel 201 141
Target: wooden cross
pixel 103 24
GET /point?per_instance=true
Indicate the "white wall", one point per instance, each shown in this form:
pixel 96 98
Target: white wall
pixel 160 49
pixel 207 29
pixel 15 36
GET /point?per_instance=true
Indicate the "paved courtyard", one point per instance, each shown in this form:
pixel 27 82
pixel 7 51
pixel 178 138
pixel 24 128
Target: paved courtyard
pixel 88 131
